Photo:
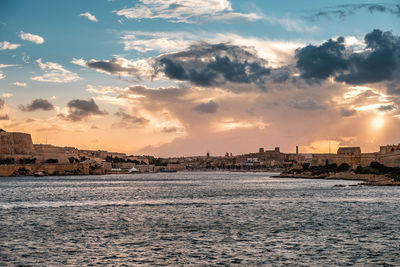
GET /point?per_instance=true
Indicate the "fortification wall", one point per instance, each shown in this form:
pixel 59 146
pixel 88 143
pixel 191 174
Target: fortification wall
pixel 16 143
pixel 391 159
pixel 367 158
pixel 322 159
pixel 50 169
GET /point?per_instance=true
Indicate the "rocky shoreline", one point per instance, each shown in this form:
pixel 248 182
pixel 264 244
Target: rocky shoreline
pixel 367 179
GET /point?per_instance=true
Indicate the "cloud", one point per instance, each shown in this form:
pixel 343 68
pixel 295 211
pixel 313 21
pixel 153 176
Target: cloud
pixel 79 109
pixel 393 89
pixel 308 104
pixel 20 84
pixel 379 61
pixel 37 104
pixel 320 62
pixel 115 66
pixel 206 108
pixel 343 11
pixel 158 41
pixel 120 66
pixel 129 121
pixel 55 73
pixel 215 64
pixel 2 76
pixel 187 11
pixel 386 108
pixel 7 65
pixel 290 24
pixel 347 112
pixel 6 95
pixel 31 37
pixel 278 53
pixel 89 16
pixel 7 45
pixel 104 90
pixel 169 130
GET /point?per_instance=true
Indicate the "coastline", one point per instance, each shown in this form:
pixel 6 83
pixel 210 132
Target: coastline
pixel 367 179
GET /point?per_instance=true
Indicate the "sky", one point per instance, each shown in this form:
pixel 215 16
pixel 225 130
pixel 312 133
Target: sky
pixel 187 77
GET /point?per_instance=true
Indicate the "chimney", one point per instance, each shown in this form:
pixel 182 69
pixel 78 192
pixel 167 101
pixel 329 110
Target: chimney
pixel 297 150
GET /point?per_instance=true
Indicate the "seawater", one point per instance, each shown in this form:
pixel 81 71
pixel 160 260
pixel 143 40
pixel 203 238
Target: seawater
pixel 196 219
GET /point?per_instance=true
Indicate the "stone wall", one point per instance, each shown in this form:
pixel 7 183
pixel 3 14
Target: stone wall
pixel 391 159
pixel 322 159
pixel 16 143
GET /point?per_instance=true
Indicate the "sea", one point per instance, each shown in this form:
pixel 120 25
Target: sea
pixel 196 219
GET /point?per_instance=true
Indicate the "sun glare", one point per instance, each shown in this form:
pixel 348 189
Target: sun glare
pixel 378 122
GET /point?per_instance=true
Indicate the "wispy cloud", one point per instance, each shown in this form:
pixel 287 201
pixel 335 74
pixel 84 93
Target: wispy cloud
pixel 291 24
pixel 55 73
pixel 8 46
pixel 89 16
pixel 7 65
pixel 188 11
pixel 2 76
pixel 31 37
pixel 343 11
pixel 157 41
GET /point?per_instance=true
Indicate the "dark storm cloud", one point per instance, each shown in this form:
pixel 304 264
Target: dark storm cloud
pixel 211 65
pixel 342 11
pixel 281 75
pixel 36 104
pixel 307 104
pixel 206 108
pixel 320 62
pixel 379 62
pixel 347 112
pixel 129 121
pixel 377 65
pixel 79 109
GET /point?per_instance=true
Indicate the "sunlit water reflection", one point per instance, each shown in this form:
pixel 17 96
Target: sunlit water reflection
pixel 196 219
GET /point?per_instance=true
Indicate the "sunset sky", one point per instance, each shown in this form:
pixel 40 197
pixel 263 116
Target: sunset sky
pixel 186 77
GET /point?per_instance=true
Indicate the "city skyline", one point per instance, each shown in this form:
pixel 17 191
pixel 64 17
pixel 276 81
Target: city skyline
pixel 172 78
